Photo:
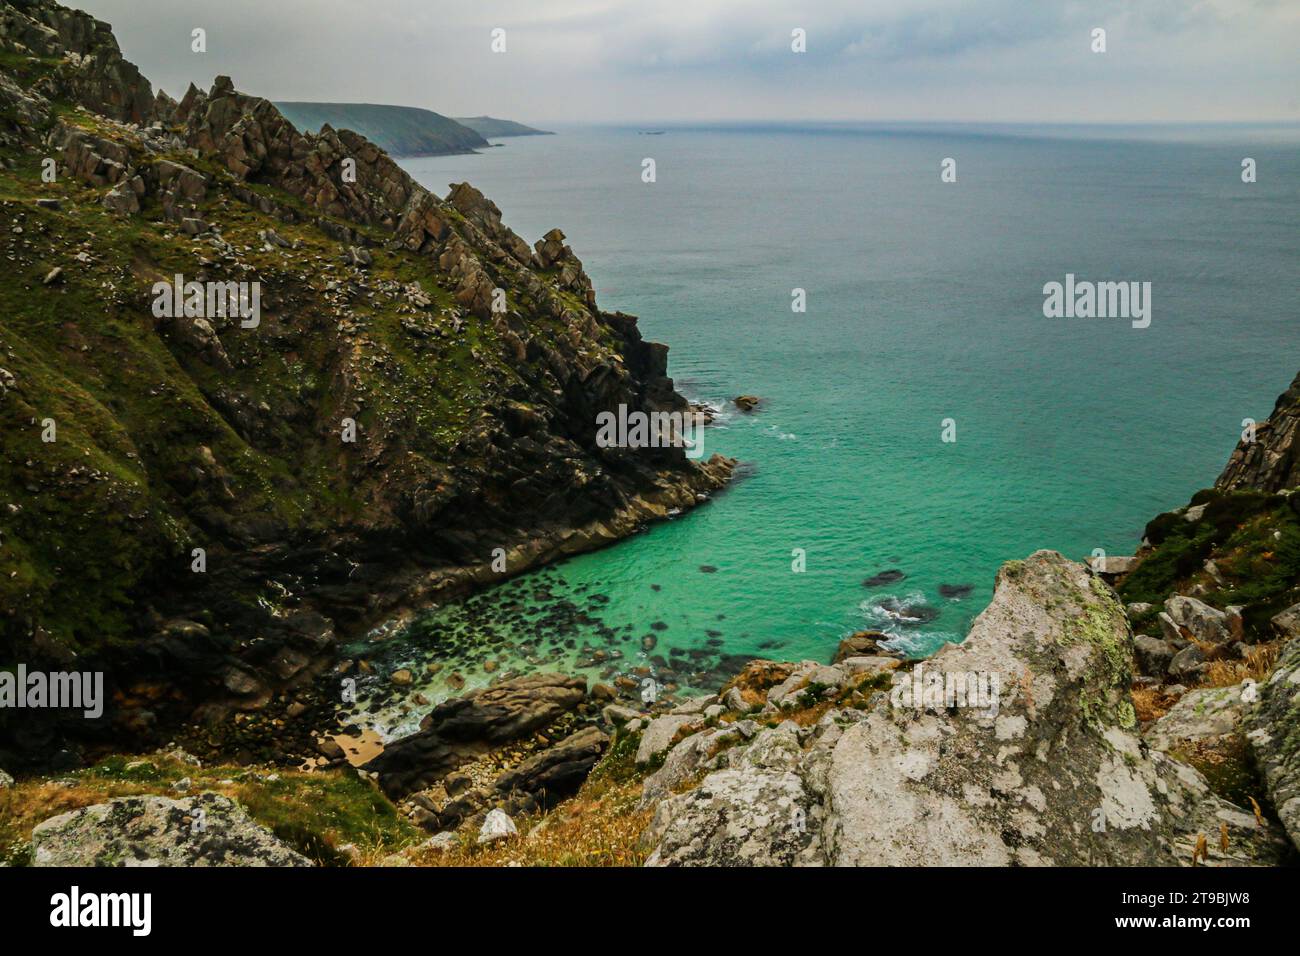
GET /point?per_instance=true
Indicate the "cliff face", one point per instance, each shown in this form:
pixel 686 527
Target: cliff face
pixel 418 388
pixel 1236 545
pixel 1272 461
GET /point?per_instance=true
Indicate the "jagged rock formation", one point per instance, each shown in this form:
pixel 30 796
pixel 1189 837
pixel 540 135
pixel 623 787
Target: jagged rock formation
pixel 1053 775
pixel 470 367
pixel 91 70
pixel 204 830
pixel 1272 461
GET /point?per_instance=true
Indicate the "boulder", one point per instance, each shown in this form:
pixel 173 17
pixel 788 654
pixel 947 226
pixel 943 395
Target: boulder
pixel 684 760
pixel 614 714
pixel 553 774
pixel 6 781
pixel 1153 655
pixel 1187 663
pixel 659 734
pixel 1113 567
pixel 497 825
pixel 735 818
pixel 863 644
pixel 440 842
pixel 1287 623
pixel 1058 776
pixel 464 728
pixel 796 681
pixel 203 830
pixel 1200 717
pixel 753 682
pixel 865 668
pixel 122 200
pixel 1188 618
pixel 695 705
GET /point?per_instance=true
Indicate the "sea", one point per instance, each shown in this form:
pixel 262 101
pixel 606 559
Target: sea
pixel 881 289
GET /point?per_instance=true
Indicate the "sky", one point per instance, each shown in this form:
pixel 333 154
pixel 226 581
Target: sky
pixel 636 61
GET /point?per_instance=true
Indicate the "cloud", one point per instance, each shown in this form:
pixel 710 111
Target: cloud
pixel 731 59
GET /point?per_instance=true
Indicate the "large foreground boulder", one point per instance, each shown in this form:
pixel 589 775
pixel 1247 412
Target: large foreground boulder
pixel 204 830
pixel 1017 747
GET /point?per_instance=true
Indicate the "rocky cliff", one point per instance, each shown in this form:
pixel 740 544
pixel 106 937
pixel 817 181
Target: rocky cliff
pixel 203 501
pixel 1269 460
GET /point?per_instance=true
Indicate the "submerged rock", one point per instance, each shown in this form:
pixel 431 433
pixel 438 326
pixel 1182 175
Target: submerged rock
pixel 906 612
pixel 892 576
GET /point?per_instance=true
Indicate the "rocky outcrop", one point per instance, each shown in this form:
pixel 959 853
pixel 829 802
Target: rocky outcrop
pixel 463 728
pixel 1048 771
pixel 204 830
pixel 1271 461
pixel 557 772
pixel 1274 737
pixel 864 644
pixel 93 71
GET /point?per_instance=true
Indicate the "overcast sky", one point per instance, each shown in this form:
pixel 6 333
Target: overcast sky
pixel 663 60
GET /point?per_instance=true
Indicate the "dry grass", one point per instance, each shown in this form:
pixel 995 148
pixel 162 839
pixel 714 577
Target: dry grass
pixel 1256 666
pixel 1151 703
pixel 588 830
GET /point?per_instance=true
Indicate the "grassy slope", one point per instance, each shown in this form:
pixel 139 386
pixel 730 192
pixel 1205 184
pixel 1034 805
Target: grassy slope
pixel 133 410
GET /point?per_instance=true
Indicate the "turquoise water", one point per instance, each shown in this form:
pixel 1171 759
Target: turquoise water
pixel 924 303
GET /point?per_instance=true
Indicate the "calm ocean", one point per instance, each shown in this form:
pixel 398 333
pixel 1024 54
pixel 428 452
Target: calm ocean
pixel 924 303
